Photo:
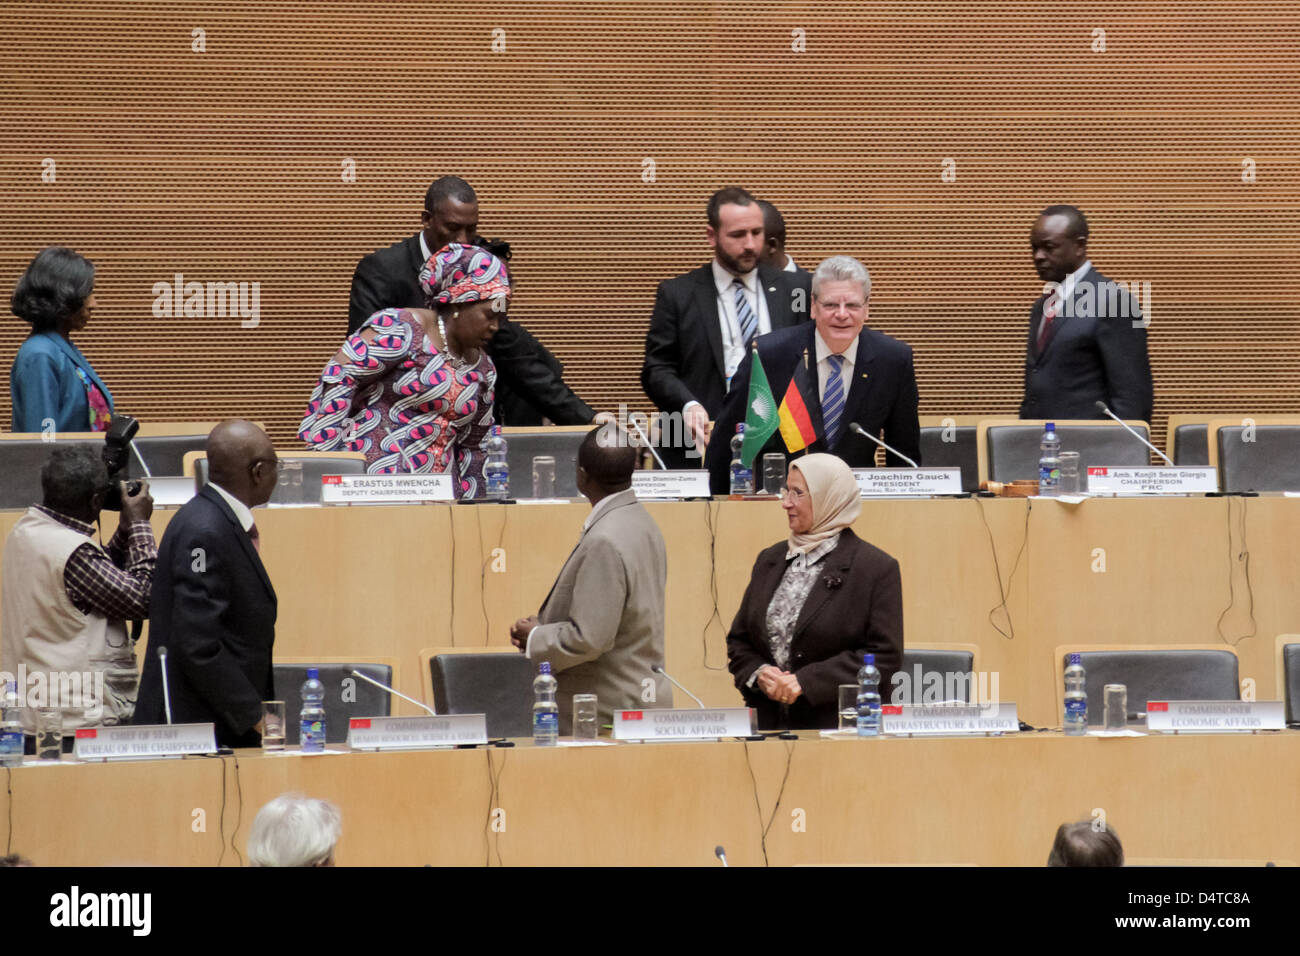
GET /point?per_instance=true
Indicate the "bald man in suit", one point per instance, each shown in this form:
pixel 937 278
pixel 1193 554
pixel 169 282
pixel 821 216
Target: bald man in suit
pixel 602 626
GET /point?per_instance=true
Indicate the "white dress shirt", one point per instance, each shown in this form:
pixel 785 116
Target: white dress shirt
pixel 240 509
pixel 789 265
pixel 733 346
pixel 1067 292
pixel 824 365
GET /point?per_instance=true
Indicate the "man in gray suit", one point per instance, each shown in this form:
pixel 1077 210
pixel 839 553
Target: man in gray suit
pixel 602 626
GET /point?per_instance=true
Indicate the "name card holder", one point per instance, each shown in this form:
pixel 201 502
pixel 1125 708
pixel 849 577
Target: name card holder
pixel 907 482
pixel 684 724
pixel 1108 480
pixel 144 741
pixel 416 733
pixel 385 489
pixel 1215 716
pixel 948 720
pixel 676 485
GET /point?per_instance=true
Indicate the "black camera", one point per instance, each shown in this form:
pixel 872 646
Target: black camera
pixel 117 446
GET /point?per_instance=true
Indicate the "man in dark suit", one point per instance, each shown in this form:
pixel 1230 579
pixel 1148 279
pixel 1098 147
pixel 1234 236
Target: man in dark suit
pixel 213 606
pixel 774 255
pixel 852 374
pixel 389 278
pixel 1087 336
pixel 704 321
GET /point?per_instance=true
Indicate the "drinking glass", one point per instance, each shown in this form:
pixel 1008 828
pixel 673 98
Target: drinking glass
pixel 848 706
pixel 1070 473
pixel 1116 706
pixel 773 473
pixel 544 476
pixel 584 716
pixel 272 725
pixel 49 734
pixel 289 489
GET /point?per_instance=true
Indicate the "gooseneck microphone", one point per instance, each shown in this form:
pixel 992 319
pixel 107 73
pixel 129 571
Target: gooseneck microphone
pixel 659 670
pixel 1101 407
pixel 855 427
pixel 721 854
pixel 642 435
pixel 396 693
pixel 167 697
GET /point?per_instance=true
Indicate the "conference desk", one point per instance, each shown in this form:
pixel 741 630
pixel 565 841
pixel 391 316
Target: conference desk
pixel 986 801
pixel 1015 578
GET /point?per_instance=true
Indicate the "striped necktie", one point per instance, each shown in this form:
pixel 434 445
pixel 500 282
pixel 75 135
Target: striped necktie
pixel 744 315
pixel 833 401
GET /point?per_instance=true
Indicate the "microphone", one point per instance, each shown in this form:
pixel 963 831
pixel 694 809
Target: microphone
pixel 642 435
pixel 721 854
pixel 855 427
pixel 659 670
pixel 167 697
pixel 1101 407
pixel 140 458
pixel 398 693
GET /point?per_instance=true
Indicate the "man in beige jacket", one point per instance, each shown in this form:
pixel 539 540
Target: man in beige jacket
pixel 602 626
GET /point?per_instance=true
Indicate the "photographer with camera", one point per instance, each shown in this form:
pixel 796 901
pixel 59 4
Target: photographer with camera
pixel 65 600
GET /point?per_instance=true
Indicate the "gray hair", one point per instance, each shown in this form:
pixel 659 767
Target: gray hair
pixel 842 269
pixel 293 830
pixel 71 476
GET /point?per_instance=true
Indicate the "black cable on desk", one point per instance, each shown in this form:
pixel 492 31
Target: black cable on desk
pixel 997 569
pixel 1244 557
pixel 9 786
pixel 239 818
pixel 710 523
pixel 494 793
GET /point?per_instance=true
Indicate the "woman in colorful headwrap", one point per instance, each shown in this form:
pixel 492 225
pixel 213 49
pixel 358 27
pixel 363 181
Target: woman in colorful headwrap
pixel 413 388
pixel 816 603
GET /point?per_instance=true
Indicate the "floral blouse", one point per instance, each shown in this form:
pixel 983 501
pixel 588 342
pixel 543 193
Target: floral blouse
pixel 791 594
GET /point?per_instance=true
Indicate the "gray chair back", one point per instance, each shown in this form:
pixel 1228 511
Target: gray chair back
pixel 954 670
pixel 497 685
pixel 1013 449
pixel 164 454
pixel 1291 674
pixel 1270 462
pixel 1192 445
pixel 561 445
pixel 21 461
pixel 312 470
pixel 1158 675
pixel 362 699
pixel 962 452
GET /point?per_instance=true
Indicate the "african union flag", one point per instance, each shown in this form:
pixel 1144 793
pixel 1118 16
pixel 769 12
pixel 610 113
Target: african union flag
pixel 761 418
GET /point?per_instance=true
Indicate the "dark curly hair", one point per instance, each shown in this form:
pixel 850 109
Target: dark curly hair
pixel 56 285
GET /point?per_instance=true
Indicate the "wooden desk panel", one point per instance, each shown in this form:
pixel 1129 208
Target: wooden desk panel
pixel 984 801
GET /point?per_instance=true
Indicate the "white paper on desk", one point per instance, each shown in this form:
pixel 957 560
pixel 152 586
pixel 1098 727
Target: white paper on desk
pixel 849 733
pixel 1116 733
pixel 584 743
pixel 544 501
pixel 1063 499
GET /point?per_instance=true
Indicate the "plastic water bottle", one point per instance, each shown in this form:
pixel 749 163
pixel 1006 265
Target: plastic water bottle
pixel 1049 462
pixel 868 697
pixel 1076 699
pixel 742 478
pixel 312 736
pixel 496 470
pixel 11 728
pixel 546 715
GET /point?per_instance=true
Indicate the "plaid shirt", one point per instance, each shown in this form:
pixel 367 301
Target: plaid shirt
pixel 115 581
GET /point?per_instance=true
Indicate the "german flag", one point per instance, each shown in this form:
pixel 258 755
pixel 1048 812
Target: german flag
pixel 796 423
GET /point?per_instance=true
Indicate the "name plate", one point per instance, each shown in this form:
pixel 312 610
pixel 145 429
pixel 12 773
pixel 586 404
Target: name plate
pixel 685 483
pixel 145 740
pixel 1215 716
pixel 1107 480
pixel 949 719
pixel 683 724
pixel 414 733
pixel 385 489
pixel 920 482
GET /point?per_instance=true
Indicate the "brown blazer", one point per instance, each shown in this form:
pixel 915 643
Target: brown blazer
pixel 855 607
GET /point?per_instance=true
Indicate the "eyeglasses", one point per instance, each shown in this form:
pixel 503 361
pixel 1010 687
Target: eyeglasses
pixel 794 494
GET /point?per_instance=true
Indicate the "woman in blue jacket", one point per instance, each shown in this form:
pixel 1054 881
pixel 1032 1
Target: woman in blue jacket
pixel 52 383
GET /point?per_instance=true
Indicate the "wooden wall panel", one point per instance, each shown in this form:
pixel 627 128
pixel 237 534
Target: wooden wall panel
pixel 225 165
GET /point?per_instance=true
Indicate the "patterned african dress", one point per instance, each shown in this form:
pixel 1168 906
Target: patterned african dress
pixel 409 407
